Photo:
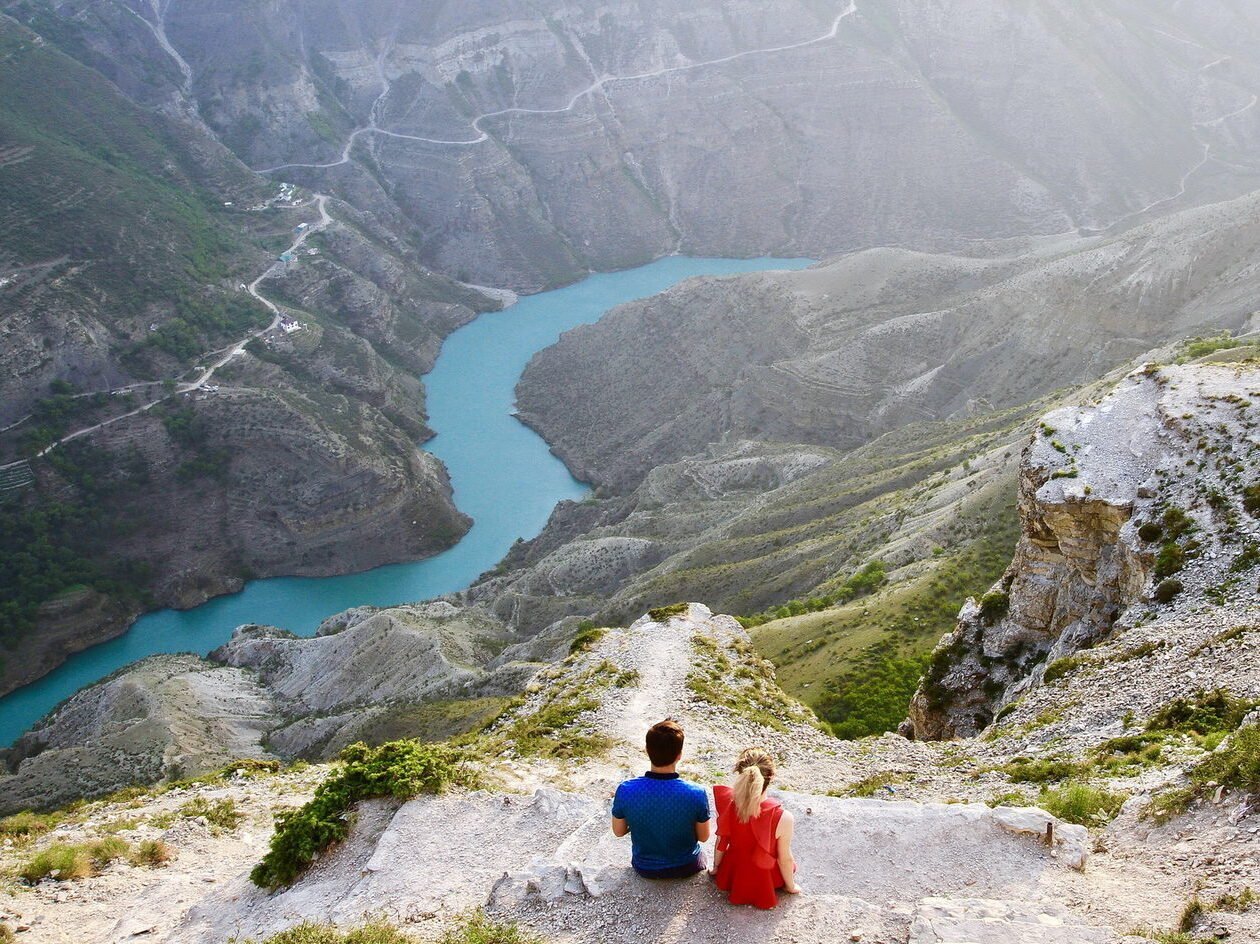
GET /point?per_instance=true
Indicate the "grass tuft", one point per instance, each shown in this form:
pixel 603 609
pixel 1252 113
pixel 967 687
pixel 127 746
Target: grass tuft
pixel 1082 803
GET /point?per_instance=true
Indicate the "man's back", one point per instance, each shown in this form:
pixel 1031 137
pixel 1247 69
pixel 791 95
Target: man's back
pixel 662 811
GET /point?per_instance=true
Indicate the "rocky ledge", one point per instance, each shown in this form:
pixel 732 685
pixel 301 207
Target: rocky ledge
pixel 1142 503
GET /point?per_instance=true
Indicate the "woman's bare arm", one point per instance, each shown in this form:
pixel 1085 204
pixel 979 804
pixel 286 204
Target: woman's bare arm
pixel 787 864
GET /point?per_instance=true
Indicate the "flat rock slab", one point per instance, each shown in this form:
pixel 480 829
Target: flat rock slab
pixel 987 921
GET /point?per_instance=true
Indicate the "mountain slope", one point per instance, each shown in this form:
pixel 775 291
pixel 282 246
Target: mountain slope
pixel 521 145
pixel 840 353
pixel 194 442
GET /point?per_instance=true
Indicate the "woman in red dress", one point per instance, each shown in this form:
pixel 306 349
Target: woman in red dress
pixel 754 836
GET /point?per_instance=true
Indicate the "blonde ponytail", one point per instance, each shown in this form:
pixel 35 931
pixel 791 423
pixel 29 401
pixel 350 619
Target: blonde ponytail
pixel 753 772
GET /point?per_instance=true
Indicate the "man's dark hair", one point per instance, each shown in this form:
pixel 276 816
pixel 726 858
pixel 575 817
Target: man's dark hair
pixel 665 743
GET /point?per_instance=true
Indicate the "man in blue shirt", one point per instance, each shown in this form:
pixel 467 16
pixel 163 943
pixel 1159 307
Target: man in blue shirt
pixel 667 817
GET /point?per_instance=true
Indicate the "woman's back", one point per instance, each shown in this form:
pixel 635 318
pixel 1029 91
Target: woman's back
pixel 749 867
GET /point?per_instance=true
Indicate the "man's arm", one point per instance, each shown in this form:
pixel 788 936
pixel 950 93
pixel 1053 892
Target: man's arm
pixel 619 825
pixel 704 820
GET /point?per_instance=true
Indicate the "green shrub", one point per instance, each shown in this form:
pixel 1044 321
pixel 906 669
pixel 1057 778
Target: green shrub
pixel 1204 714
pixel 309 932
pixel 1235 765
pixel 69 862
pixel 1170 560
pixel 1251 500
pixel 588 635
pixel 661 614
pixel 105 851
pixel 994 605
pixel 1041 770
pixel 221 815
pixel 399 769
pixel 1082 803
pixel 1062 667
pixel 1249 557
pixel 1168 590
pixel 873 695
pixel 151 853
pixel 1177 524
pixel 21 827
pixel 1150 532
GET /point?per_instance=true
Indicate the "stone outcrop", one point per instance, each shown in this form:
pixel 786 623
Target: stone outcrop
pixel 1145 488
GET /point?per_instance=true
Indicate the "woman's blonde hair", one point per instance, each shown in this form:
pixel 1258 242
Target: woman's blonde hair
pixel 753 772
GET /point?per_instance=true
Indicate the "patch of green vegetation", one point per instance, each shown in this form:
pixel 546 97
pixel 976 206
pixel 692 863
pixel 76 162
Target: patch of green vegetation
pixel 1150 532
pixel 1140 651
pixel 1247 558
pixel 662 614
pixel 1168 937
pixel 399 769
pixel 477 928
pixel 430 721
pixel 151 853
pixel 547 725
pixel 1198 347
pixel 588 635
pixel 1082 803
pixel 310 932
pixel 1206 716
pixel 748 690
pixel 866 581
pixel 67 862
pixel 1233 765
pixel 1251 500
pixel 873 785
pixel 1042 769
pixel 994 605
pixel 55 543
pixel 25 826
pixel 1170 560
pixel 1061 668
pixel 859 664
pixel 1168 590
pixel 1197 908
pixel 222 815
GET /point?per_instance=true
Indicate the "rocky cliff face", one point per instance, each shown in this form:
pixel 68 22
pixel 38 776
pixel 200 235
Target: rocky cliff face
pixel 1128 506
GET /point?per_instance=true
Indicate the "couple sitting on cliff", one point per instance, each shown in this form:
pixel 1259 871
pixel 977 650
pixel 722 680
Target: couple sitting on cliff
pixel 668 818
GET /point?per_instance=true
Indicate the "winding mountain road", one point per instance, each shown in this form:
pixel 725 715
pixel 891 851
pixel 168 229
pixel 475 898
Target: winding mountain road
pixel 482 135
pixel 219 357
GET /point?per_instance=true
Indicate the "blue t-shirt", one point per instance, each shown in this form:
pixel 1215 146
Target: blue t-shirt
pixel 662 811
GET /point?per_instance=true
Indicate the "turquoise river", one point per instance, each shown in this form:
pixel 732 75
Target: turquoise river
pixel 503 475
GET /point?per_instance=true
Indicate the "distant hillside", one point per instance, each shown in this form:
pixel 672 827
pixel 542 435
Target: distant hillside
pixel 128 238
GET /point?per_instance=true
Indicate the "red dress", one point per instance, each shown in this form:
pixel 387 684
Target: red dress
pixel 749 870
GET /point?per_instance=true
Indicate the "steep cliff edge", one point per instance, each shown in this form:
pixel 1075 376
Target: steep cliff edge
pixel 897 841
pixel 1142 503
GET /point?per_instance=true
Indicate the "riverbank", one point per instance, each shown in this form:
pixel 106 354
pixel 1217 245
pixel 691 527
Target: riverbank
pixel 503 475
